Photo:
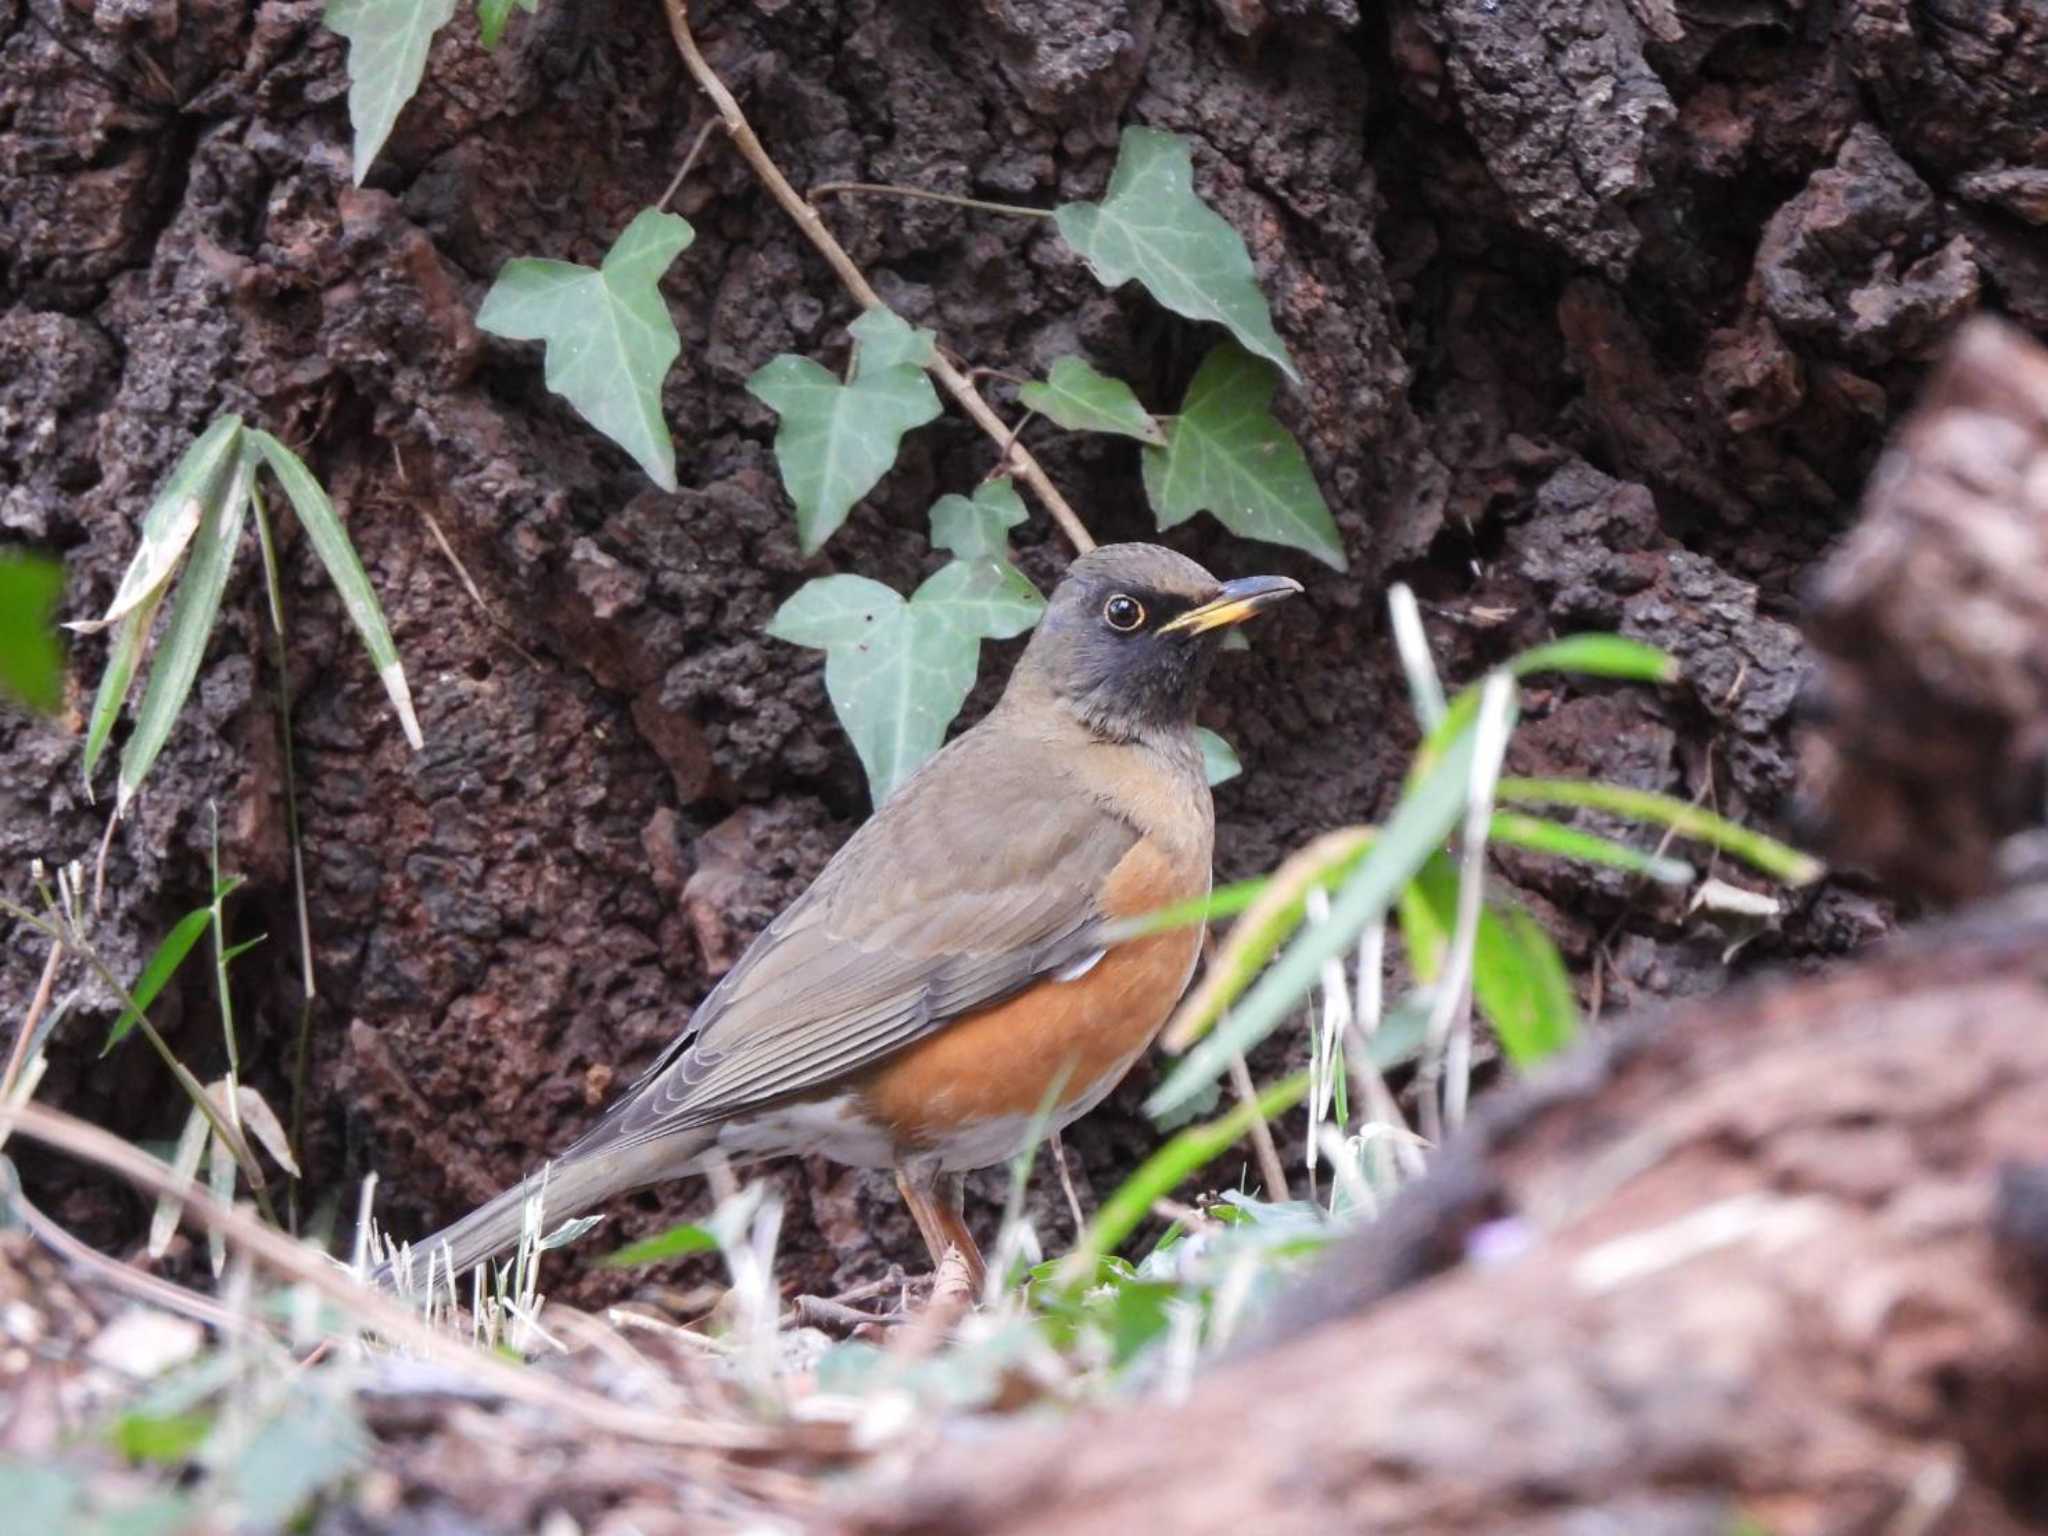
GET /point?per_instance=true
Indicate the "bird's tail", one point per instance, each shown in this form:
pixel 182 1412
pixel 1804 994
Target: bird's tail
pixel 588 1173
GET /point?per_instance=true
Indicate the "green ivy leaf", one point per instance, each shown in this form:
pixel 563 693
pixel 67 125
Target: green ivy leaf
pixel 836 440
pixel 1226 454
pixel 31 662
pixel 981 600
pixel 387 55
pixel 1078 398
pixel 887 340
pixel 1219 758
pixel 898 671
pixel 491 16
pixel 978 529
pixel 1151 226
pixel 609 337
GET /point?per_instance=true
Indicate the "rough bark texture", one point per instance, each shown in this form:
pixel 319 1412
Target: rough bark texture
pixel 1780 1256
pixel 1776 1260
pixel 1603 312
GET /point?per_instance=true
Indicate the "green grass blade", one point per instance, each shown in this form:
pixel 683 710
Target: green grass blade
pixel 1682 817
pixel 193 611
pixel 163 964
pixel 172 520
pixel 1518 979
pixel 1276 911
pixel 345 569
pixel 1554 1007
pixel 124 655
pixel 1418 827
pixel 1224 901
pixel 1591 655
pixel 1599 656
pixel 1538 834
pixel 672 1244
pixel 1163 1172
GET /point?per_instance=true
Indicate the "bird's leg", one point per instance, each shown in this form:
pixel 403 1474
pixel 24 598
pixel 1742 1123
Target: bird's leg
pixel 934 1200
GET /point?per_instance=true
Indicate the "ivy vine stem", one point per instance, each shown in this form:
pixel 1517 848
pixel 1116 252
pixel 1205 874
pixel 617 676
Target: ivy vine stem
pixel 807 219
pixel 919 194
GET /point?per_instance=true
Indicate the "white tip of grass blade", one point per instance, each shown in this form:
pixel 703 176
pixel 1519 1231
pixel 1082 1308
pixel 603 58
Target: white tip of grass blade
pixel 1411 643
pixel 393 679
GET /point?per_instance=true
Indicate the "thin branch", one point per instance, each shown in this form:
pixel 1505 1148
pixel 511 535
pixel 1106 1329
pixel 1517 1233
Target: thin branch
pixel 1058 1150
pixel 955 383
pixel 951 199
pixel 152 1290
pixel 1262 1134
pixel 194 1089
pixel 19 1056
pixel 696 148
pixel 297 1262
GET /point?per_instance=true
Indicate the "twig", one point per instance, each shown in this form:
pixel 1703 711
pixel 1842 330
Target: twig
pixel 368 1308
pixel 281 665
pixel 955 383
pixel 952 1295
pixel 153 1290
pixel 689 160
pixel 1262 1135
pixel 19 1055
pixel 194 1089
pixel 1058 1149
pixel 952 199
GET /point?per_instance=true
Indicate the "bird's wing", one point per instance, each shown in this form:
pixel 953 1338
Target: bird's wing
pixel 938 906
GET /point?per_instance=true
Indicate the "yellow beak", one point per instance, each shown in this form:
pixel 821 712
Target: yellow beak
pixel 1239 600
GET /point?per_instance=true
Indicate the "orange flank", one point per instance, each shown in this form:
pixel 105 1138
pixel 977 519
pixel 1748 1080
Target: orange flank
pixel 1001 1062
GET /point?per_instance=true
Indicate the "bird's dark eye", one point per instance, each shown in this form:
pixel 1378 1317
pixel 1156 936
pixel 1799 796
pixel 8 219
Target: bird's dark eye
pixel 1123 613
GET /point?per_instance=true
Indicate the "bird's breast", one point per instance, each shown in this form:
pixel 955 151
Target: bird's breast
pixel 951 1091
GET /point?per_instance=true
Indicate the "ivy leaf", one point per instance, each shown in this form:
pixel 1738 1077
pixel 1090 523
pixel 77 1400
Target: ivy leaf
pixel 898 671
pixel 1226 454
pixel 836 440
pixel 491 16
pixel 887 340
pixel 978 529
pixel 609 336
pixel 31 663
pixel 1219 758
pixel 387 55
pixel 1078 398
pixel 980 600
pixel 1151 226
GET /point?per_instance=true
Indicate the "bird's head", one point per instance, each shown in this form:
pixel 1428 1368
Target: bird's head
pixel 1128 634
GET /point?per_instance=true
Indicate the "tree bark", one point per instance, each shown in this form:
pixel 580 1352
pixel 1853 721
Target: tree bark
pixel 1603 311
